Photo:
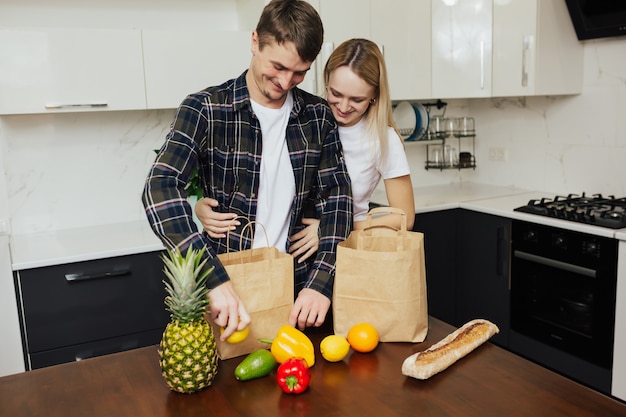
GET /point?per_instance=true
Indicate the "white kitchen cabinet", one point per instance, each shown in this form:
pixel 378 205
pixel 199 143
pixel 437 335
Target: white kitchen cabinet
pixel 461 48
pixel 535 49
pixel 57 70
pixel 178 62
pixel 345 19
pixel 401 28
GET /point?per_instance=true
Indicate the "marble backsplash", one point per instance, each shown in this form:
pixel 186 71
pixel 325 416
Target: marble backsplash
pixel 81 169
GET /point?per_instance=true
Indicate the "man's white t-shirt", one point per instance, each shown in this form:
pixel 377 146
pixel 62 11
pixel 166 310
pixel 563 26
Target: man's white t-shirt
pixel 365 167
pixel 277 186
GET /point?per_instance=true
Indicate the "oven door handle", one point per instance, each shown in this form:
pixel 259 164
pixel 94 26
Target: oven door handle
pixel 556 264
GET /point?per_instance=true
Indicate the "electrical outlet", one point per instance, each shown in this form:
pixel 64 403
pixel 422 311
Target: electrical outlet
pixel 498 154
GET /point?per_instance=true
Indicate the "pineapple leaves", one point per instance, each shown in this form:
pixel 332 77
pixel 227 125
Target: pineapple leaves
pixel 186 298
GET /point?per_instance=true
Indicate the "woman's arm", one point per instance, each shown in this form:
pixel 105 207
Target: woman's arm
pixel 215 224
pixel 400 195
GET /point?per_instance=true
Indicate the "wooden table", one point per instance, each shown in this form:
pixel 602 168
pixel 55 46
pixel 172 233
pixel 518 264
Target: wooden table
pixel 489 382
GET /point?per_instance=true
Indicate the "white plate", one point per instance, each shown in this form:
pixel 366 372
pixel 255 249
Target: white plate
pixel 405 117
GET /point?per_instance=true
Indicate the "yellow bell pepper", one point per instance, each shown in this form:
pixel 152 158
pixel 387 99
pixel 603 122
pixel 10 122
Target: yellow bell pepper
pixel 291 343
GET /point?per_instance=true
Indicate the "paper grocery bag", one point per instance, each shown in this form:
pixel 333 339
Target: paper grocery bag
pixel 380 279
pixel 263 279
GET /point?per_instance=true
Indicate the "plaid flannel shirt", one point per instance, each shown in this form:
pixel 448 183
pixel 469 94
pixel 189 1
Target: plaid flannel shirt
pixel 217 131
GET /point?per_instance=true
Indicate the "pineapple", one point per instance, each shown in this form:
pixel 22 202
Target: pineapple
pixel 187 351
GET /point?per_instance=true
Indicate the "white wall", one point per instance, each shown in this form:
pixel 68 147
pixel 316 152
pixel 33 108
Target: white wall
pixel 72 170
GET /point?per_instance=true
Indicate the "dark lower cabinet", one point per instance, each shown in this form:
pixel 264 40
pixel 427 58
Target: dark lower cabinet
pixel 75 311
pixel 467 267
pixel 440 253
pixel 483 271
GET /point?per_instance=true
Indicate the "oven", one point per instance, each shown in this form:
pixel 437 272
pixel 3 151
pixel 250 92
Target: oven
pixel 563 289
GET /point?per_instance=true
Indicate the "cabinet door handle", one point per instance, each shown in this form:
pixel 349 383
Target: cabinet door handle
pixel 88 277
pixel 482 65
pixel 70 105
pixel 500 251
pixel 527 44
pixel 552 263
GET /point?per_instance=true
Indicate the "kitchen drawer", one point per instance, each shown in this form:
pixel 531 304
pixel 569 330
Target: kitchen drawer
pixel 93 349
pixel 83 302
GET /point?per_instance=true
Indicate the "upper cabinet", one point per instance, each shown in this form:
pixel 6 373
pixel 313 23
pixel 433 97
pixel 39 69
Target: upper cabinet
pixel 182 61
pixel 58 70
pixel 401 28
pixel 536 51
pixel 433 49
pixel 461 48
pixel 491 48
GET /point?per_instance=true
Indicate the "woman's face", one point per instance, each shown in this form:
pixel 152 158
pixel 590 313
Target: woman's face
pixel 349 96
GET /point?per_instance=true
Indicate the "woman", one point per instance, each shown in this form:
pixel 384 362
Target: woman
pixel 358 94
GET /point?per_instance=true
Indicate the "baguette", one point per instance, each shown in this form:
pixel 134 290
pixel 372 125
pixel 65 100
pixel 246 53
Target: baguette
pixel 438 357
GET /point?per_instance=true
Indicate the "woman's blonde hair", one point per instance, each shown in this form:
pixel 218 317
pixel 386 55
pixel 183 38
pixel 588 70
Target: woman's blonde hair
pixel 365 59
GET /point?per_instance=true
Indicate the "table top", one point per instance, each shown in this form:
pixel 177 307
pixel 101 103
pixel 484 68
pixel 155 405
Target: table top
pixel 489 381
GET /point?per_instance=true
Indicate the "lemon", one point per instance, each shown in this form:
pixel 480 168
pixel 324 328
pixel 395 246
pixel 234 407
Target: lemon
pixel 237 337
pixel 334 348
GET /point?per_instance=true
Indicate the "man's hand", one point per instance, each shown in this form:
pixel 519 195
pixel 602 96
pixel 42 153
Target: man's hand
pixel 310 309
pixel 306 241
pixel 227 309
pixel 215 223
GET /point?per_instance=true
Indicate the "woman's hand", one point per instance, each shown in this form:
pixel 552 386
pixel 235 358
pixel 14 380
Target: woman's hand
pixel 216 224
pixel 305 242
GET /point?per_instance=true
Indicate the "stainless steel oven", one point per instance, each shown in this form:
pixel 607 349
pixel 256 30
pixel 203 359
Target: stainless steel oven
pixel 563 300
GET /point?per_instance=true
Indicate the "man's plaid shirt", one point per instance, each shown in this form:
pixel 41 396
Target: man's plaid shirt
pixel 217 131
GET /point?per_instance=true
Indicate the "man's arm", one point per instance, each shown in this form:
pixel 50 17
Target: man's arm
pixel 170 215
pixel 336 216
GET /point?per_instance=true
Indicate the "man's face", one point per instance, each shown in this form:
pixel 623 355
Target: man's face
pixel 274 70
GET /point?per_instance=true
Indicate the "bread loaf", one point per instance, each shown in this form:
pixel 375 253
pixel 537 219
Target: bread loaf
pixel 423 365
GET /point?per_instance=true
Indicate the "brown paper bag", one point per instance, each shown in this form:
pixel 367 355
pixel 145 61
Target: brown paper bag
pixel 380 279
pixel 263 279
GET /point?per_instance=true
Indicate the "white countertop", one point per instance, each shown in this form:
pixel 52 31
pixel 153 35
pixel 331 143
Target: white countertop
pixel 495 200
pixel 83 244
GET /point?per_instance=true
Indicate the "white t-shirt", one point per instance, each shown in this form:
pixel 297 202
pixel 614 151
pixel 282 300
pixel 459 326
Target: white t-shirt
pixel 277 185
pixel 366 168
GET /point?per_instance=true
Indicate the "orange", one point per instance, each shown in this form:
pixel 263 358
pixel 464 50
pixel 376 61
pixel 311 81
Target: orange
pixel 363 337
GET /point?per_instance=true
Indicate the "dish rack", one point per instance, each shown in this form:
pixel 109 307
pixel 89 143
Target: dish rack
pixel 442 136
pixel 458 160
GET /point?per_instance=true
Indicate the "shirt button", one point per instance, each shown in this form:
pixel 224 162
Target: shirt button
pixel 253 195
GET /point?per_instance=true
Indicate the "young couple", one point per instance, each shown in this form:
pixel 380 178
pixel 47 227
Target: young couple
pixel 303 167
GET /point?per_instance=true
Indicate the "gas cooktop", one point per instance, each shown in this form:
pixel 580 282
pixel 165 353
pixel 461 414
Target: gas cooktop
pixel 595 209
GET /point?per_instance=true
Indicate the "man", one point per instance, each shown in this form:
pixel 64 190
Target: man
pixel 265 150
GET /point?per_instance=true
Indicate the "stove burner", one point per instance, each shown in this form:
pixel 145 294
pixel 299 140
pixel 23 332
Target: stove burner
pixel 597 210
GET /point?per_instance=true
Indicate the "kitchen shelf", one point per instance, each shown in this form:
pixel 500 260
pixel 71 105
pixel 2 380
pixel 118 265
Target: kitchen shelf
pixel 462 146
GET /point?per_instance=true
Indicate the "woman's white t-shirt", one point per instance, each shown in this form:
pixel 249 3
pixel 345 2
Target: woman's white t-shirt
pixel 365 167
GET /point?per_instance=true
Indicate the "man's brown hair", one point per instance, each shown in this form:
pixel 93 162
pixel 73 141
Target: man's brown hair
pixel 292 21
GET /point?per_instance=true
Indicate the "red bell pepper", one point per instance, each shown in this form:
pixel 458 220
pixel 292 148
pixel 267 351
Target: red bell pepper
pixel 293 376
